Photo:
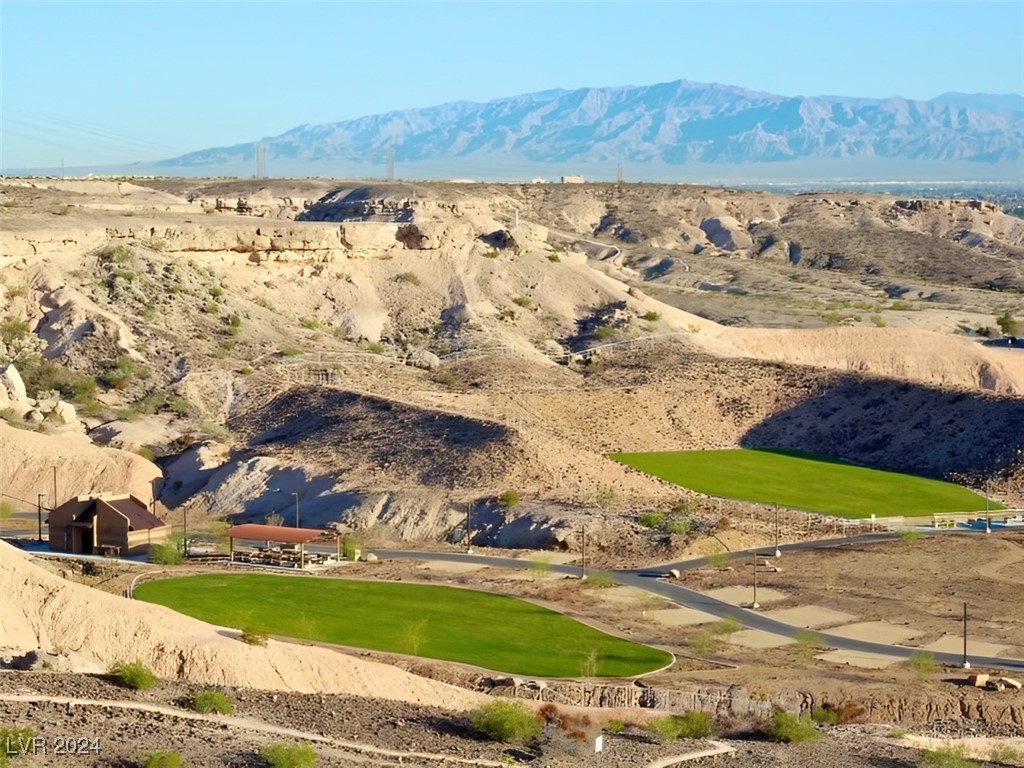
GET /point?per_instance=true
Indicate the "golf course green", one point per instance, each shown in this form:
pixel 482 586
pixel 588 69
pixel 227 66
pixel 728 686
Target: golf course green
pixel 491 631
pixel 806 481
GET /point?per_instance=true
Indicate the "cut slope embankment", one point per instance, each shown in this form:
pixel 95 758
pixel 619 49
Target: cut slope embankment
pixel 41 610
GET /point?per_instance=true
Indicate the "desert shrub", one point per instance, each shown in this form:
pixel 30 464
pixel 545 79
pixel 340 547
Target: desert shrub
pixel 718 558
pixel 539 566
pixel 285 755
pixel 122 373
pixel 447 378
pixel 705 643
pixel 554 258
pixel 491 254
pixel 146 452
pixel 690 725
pixel 604 332
pixel 726 626
pixel 909 535
pixel 246 371
pixel 605 496
pixel 212 702
pixel 216 431
pixel 788 728
pixel 600 579
pixel 522 301
pixel 408 277
pixel 13 741
pixel 134 675
pixel 211 308
pixel 807 642
pixel 171 552
pixel 310 324
pixel 509 722
pixel 161 760
pixel 509 499
pixel 923 664
pixel 949 756
pixel 291 351
pixel 1007 324
pixel 850 712
pixel 680 527
pixel 652 316
pixel 651 519
pixel 824 716
pixel 253 635
pixel 216 290
pixel 376 347
pixel 1004 753
pixel 615 726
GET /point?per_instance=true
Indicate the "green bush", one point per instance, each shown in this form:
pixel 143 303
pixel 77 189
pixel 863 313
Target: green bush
pixel 691 725
pixel 948 756
pixel 254 636
pixel 604 332
pixel 824 716
pixel 600 579
pixel 680 527
pixel 652 316
pixel 285 755
pixel 509 499
pixel 788 728
pixel 212 702
pixel 408 277
pixel 162 760
pixel 16 740
pixel 923 664
pixel 170 553
pixel 522 301
pixel 615 726
pixel 652 519
pixel 134 675
pixel 509 722
pixel 491 254
pixel 376 347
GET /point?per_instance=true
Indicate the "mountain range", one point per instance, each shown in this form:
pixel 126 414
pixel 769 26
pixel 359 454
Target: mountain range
pixel 676 123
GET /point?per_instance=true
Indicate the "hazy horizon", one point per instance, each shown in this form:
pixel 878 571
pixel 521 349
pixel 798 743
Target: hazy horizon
pixel 146 82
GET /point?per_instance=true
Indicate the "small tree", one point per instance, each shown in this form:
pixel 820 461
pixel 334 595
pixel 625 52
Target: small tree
pixel 1007 324
pixel 539 566
pixel 509 499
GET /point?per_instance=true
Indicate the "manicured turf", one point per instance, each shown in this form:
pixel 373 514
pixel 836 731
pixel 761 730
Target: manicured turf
pixel 490 631
pixel 805 481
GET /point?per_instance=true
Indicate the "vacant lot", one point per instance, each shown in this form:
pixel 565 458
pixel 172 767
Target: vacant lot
pixel 491 631
pixel 805 481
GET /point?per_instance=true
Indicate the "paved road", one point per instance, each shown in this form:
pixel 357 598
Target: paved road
pixel 651 579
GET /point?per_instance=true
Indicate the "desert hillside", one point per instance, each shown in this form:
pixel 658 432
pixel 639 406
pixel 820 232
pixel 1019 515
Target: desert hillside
pixel 392 352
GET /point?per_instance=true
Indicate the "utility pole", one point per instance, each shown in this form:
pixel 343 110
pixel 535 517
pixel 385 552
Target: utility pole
pixel 583 566
pixel 54 505
pixel 778 552
pixel 469 527
pixel 966 664
pixel 39 514
pixel 754 606
pixel 296 509
pixel 184 530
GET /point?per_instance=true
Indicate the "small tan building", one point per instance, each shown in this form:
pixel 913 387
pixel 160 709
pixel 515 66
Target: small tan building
pixel 106 524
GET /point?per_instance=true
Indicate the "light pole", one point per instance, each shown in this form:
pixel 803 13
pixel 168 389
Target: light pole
pixel 754 605
pixel 296 509
pixel 778 552
pixel 469 527
pixel 39 514
pixel 583 563
pixel 966 664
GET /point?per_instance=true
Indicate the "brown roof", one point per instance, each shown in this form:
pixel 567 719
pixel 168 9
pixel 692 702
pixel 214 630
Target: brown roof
pixel 139 518
pixel 278 533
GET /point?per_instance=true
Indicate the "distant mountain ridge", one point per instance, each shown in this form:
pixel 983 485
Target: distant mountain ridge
pixel 674 123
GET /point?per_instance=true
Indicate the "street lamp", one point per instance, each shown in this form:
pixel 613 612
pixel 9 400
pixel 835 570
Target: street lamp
pixel 296 509
pixel 778 552
pixel 469 527
pixel 39 514
pixel 754 605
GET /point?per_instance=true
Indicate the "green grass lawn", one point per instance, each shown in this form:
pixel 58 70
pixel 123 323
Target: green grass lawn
pixel 805 481
pixel 491 631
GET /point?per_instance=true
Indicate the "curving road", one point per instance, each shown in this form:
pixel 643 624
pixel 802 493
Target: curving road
pixel 651 579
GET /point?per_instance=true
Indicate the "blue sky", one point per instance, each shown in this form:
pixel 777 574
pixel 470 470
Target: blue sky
pixel 119 82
